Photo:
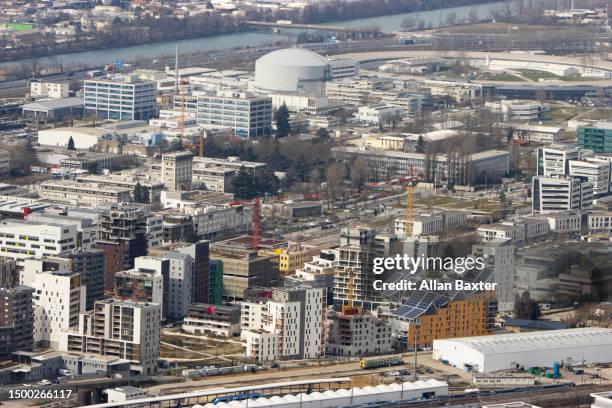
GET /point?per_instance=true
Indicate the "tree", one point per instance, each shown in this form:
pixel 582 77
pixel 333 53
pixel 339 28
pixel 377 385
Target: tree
pixel 243 185
pixel 141 194
pixel 322 133
pixel 420 146
pixel 281 117
pixel 526 308
pixel 359 173
pixel 71 144
pixel 409 23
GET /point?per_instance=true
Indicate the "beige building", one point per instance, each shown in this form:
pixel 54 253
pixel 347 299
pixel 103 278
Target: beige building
pixel 176 170
pixel 124 329
pixel 49 89
pixel 87 194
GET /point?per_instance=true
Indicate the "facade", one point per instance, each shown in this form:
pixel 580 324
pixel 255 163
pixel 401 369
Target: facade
pixel 129 182
pixel 50 109
pixel 140 285
pixel 91 195
pixel 122 235
pixel 554 160
pixel 597 138
pixel 247 114
pixel 8 273
pixel 58 299
pixel 554 194
pixel 215 293
pixel 212 320
pixel 564 222
pixel 17 319
pixel 21 239
pixel 380 115
pixel 5 163
pixel 597 171
pixel 86 229
pixel 343 68
pixel 499 256
pixel 291 258
pixel 283 323
pixel 120 98
pixel 83 137
pixel 356 92
pixel 90 265
pixel 124 329
pixel 600 222
pixel 176 170
pixel 49 89
pixel 358 335
pixel 536 133
pixel 530 349
pixel 517 110
pixel 243 268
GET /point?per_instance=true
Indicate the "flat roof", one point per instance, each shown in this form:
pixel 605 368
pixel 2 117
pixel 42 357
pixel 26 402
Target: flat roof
pixel 56 103
pixel 539 340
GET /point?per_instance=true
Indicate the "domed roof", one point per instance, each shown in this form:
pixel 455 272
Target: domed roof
pixel 294 57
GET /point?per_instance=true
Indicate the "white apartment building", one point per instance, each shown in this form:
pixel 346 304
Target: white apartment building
pixel 86 228
pixel 21 239
pixel 564 222
pixel 124 329
pixel 57 300
pixel 212 179
pixel 176 170
pixel 535 228
pixel 87 194
pixel 126 181
pixel 380 115
pixel 178 293
pixel 289 324
pixel 155 231
pixel 493 232
pixel 429 223
pixel 600 222
pixel 554 194
pixel 53 90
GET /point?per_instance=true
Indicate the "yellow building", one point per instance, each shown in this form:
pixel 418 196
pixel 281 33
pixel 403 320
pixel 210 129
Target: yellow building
pixel 291 258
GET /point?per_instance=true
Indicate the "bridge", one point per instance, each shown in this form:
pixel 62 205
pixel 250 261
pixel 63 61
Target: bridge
pixel 319 27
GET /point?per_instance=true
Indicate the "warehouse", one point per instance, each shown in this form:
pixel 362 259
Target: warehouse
pixel 487 354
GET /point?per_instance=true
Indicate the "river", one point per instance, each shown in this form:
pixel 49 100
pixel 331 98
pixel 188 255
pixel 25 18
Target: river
pixel 250 39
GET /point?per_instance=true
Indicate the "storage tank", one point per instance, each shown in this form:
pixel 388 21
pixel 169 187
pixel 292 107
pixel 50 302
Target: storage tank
pixel 291 71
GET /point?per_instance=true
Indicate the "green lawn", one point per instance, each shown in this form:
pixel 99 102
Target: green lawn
pixel 502 76
pixel 537 75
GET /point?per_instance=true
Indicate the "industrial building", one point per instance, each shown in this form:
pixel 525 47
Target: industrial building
pixel 83 137
pixel 597 137
pixel 487 354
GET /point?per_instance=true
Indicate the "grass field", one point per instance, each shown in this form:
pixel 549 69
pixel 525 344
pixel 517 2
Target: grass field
pixel 17 26
pixel 502 76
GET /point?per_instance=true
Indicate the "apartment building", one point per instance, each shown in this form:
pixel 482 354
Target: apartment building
pixel 89 263
pixel 380 114
pixel 212 320
pixel 122 235
pixel 177 170
pixel 86 228
pixel 356 91
pixel 86 194
pixel 140 285
pixel 124 329
pixel 55 90
pixel 499 256
pixel 358 335
pixel 217 174
pixel 5 163
pixel 561 193
pixel 120 98
pixel 16 320
pixel 255 169
pixel 57 300
pixel 512 232
pixel 283 323
pixel 21 239
pixel 565 222
pixel 8 273
pixel 291 258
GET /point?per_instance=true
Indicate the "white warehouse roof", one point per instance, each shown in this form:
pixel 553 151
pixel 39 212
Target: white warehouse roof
pixel 542 348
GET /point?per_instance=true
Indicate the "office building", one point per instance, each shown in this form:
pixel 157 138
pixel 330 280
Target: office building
pixel 120 98
pixel 565 222
pixel 600 222
pixel 125 329
pixel 212 320
pixel 597 137
pixel 517 110
pixel 343 68
pixel 86 228
pixel 127 181
pixel 380 115
pixel 122 236
pixel 201 275
pixel 5 163
pixel 596 170
pixel 554 160
pixel 90 194
pixel 554 194
pixel 247 114
pixel 283 323
pixel 176 170
pixel 58 299
pixel 16 320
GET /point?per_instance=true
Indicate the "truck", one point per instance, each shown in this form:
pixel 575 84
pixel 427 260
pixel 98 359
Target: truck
pixel 380 362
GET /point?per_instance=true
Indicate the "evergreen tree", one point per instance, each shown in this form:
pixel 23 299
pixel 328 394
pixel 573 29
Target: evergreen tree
pixel 138 193
pixel 281 117
pixel 71 144
pixel 420 147
pixel 145 196
pixel 243 185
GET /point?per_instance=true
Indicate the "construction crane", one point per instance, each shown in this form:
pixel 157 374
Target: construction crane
pixel 348 309
pixel 410 203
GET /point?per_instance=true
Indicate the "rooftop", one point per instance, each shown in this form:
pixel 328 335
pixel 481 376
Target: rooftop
pixel 55 103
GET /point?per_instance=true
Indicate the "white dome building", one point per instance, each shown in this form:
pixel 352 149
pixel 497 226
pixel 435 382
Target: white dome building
pixel 294 71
